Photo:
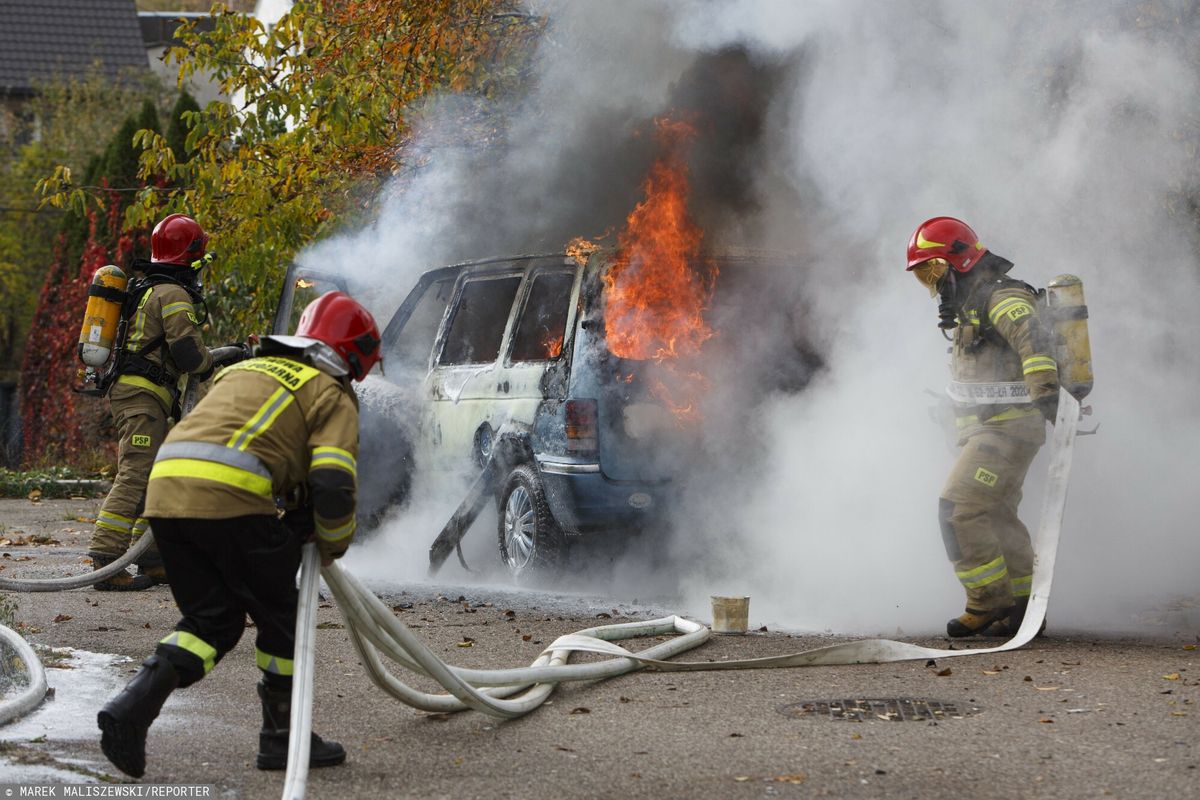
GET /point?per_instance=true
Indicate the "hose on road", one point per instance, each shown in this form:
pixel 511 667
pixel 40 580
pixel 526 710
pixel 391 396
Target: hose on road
pixel 510 693
pixel 79 581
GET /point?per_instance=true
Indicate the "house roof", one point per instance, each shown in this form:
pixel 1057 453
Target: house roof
pixel 158 27
pixel 41 39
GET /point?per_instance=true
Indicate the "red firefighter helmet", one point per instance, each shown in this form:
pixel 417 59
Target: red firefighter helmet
pixel 946 238
pixel 179 240
pixel 338 320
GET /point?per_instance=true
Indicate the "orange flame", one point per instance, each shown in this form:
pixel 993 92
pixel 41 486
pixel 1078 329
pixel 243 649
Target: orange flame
pixel 654 297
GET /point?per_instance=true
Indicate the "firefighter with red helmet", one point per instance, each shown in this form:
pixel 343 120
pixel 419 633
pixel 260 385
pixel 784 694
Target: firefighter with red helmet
pixel 1004 383
pixel 283 424
pixel 162 348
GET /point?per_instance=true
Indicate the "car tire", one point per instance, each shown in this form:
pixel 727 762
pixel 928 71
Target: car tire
pixel 531 543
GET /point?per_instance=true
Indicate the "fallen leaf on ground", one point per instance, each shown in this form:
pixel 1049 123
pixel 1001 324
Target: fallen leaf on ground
pixel 1045 720
pixel 1173 676
pixel 466 642
pixel 943 673
pixel 581 710
pixel 63 618
pixel 795 778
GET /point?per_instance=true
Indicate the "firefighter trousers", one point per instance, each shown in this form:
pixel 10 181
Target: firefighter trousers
pixel 220 571
pixel 141 426
pixel 984 537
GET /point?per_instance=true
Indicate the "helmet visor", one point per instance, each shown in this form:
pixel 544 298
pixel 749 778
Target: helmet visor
pixel 930 273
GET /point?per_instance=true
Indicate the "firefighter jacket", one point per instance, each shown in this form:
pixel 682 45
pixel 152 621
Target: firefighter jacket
pixel 268 427
pixel 1002 362
pixel 162 343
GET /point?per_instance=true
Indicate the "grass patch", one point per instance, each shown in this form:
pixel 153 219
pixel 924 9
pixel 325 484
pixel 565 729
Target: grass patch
pixel 52 482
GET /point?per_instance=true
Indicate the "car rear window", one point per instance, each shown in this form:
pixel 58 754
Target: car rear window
pixel 477 327
pixel 543 323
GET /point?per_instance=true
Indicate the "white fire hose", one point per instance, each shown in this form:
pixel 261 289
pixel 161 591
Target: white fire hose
pixel 35 691
pixel 374 629
pixel 80 581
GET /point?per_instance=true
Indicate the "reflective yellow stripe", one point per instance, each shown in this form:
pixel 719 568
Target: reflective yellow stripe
pixel 1022 586
pixel 262 419
pixel 139 526
pixel 113 522
pixel 333 457
pixel 1012 413
pixel 990 572
pixel 212 471
pixel 194 645
pixel 335 534
pixel 972 317
pixel 1039 364
pixel 273 664
pixel 139 321
pixel 145 383
pixel 175 308
pixel 925 244
pixel 1014 307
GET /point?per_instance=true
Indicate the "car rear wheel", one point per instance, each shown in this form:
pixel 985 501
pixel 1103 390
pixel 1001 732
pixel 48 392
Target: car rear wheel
pixel 530 541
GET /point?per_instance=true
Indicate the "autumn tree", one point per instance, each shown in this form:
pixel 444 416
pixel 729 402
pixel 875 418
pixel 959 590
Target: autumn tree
pixel 323 103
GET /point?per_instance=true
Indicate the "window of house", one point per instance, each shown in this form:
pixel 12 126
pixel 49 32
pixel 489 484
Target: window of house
pixel 543 323
pixel 477 327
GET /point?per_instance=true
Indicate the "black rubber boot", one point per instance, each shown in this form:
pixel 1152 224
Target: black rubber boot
pixel 1012 624
pixel 273 738
pixel 123 581
pixel 126 718
pixel 974 622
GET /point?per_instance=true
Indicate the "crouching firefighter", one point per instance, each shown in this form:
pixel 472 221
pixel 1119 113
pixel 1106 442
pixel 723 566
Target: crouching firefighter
pixel 283 424
pixel 1004 382
pixel 157 349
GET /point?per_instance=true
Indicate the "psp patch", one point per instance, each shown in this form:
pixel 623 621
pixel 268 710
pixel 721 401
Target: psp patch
pixel 140 440
pixel 985 477
pixel 1019 310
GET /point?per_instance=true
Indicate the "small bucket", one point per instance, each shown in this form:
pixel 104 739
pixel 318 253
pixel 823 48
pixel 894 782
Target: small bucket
pixel 730 614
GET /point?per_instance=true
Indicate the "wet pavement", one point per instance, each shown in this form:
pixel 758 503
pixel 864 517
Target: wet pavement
pixel 1071 716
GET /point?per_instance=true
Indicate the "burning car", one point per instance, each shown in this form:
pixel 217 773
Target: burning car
pixel 586 383
pixel 583 379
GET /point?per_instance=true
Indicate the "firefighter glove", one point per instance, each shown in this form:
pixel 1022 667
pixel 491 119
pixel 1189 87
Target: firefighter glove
pixel 1049 407
pixel 229 354
pixel 331 551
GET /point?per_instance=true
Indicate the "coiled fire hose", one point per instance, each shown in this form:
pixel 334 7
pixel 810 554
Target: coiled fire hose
pixel 374 630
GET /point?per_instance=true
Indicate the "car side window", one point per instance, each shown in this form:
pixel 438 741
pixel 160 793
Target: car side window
pixel 413 345
pixel 307 289
pixel 543 323
pixel 477 326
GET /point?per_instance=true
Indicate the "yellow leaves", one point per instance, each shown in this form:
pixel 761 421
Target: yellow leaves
pixel 1173 676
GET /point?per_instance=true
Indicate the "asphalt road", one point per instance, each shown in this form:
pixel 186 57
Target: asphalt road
pixel 1067 717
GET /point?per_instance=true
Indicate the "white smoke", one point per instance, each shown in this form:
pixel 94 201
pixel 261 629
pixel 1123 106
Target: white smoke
pixel 1058 130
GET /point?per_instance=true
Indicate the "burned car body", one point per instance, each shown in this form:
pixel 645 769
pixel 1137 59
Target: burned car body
pixel 506 362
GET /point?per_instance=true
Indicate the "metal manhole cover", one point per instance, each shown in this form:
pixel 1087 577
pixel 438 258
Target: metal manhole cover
pixel 887 709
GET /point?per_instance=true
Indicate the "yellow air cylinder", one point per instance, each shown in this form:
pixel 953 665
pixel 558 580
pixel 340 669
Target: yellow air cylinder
pixel 1073 349
pixel 105 298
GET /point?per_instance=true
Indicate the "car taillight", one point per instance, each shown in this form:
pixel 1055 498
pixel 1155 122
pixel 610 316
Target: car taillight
pixel 581 425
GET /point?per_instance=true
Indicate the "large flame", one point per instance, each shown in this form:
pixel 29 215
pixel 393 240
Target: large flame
pixel 657 289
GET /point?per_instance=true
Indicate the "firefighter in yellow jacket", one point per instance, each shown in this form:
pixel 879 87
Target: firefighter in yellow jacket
pixel 162 346
pixel 1004 382
pixel 281 425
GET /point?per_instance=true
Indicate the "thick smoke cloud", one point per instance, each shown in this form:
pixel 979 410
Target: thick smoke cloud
pixel 1063 132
